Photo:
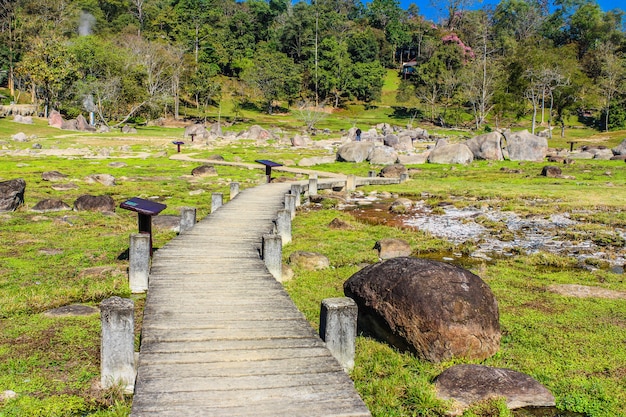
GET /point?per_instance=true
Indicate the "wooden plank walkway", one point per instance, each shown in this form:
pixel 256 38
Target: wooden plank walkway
pixel 220 335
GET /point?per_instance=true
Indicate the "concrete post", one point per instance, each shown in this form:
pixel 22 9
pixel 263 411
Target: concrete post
pixel 139 262
pixel 234 189
pixel 187 219
pixel 351 183
pixel 338 329
pixel 404 177
pixel 117 352
pixel 313 185
pixel 290 204
pixel 296 190
pixel 273 255
pixel 283 226
pixel 217 199
pixel 371 174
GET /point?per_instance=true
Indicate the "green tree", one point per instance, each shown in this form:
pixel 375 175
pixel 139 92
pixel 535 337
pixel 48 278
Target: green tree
pixel 335 69
pixel 274 74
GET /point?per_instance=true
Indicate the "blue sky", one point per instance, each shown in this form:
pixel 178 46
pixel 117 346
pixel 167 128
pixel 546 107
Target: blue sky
pixel 432 13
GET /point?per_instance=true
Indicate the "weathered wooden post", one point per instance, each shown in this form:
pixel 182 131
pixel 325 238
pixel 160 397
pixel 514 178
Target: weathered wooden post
pixel 139 262
pixel 273 254
pixel 217 199
pixel 234 189
pixel 338 318
pixel 117 352
pixel 283 226
pixel 313 184
pixel 290 204
pixel 187 219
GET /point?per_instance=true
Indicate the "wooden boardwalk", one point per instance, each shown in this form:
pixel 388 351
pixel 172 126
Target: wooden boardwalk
pixel 221 337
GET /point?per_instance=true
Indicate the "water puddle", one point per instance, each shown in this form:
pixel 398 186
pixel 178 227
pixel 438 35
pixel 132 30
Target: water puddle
pixel 495 233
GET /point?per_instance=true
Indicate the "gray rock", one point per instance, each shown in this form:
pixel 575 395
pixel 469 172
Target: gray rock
pixel 393 171
pixel 436 310
pixel 55 119
pixel 354 151
pixel 255 132
pixel 26 120
pixel 53 176
pixel 581 155
pixel 300 140
pixel 456 153
pixel 416 159
pixel 83 125
pixel 101 203
pixel 339 224
pixel 524 146
pixel 198 130
pixel 117 164
pixel 20 137
pixel 128 129
pixel 467 384
pixel 620 149
pixel 551 171
pixel 204 171
pixel 50 204
pixel 104 179
pixel 316 160
pixel 487 146
pixel 309 261
pixel 12 194
pixel 392 248
pixel 383 155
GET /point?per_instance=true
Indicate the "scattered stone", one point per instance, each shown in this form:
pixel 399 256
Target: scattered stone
pixel 620 149
pixel 83 125
pixel 215 158
pixel 524 146
pixel 166 222
pixel 436 310
pixel 309 261
pixel 50 204
pixel 204 171
pixel 72 310
pixel 456 153
pixel 287 273
pixel 392 248
pixel 417 159
pixel 12 194
pixel 104 179
pixel 551 171
pixel 26 120
pixel 101 203
pixel 117 164
pixel 128 129
pixel 339 224
pixel 20 137
pixel 316 160
pixel 300 140
pixel 198 130
pixel 196 192
pixel 51 251
pixel 393 171
pixel 53 176
pixel 584 291
pixel 487 146
pixel 467 384
pixel 7 395
pixel 511 171
pixel 55 119
pixel 37 146
pixel 64 187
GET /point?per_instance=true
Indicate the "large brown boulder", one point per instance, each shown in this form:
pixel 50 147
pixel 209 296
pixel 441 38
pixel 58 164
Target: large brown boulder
pixel 204 171
pixel 487 146
pixel 455 153
pixel 467 384
pixel 436 310
pixel 12 194
pixel 309 261
pixel 354 151
pixel 50 204
pixel 524 146
pixel 102 203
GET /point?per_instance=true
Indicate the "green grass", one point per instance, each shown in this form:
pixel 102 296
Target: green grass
pixel 46 261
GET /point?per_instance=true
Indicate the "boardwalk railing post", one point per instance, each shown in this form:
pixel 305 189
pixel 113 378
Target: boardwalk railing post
pixel 313 184
pixel 234 189
pixel 217 199
pixel 290 204
pixel 338 317
pixel 283 225
pixel 273 255
pixel 351 183
pixel 139 262
pixel 371 174
pixel 296 189
pixel 187 219
pixel 117 353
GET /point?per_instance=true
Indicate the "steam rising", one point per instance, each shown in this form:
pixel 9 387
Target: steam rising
pixel 86 23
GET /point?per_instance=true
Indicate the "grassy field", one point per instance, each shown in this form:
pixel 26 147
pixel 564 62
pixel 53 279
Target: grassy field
pixel 48 260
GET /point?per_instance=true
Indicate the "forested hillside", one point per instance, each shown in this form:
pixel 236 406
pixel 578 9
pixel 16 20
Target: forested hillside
pixel 128 59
